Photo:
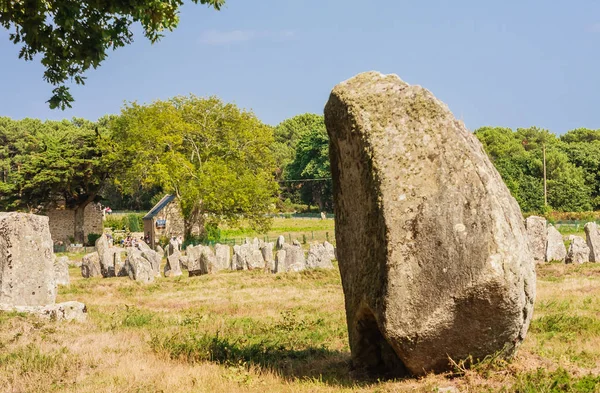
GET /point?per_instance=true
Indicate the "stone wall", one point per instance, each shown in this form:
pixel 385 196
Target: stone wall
pixel 62 222
pixel 172 214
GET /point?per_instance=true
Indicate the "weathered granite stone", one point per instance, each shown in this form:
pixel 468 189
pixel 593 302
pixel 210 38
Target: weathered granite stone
pixel 280 266
pixel 432 247
pixel 592 236
pixel 267 254
pixel 67 311
pixel 155 260
pixel 330 250
pixel 138 268
pixel 106 257
pixel 223 253
pixel 578 252
pixel 90 265
pixel 318 257
pixel 297 243
pixel 280 242
pixel 119 261
pixel 208 262
pixel 193 254
pixel 183 261
pixel 61 271
pixel 172 267
pixel 290 259
pixel 26 260
pixel 538 237
pixel 555 246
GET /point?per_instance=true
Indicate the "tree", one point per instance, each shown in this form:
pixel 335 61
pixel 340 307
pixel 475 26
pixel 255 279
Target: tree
pixel 46 162
pixel 290 131
pixel 312 162
pixel 213 156
pixel 73 35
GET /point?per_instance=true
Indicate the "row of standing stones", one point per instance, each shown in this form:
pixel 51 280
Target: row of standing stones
pixel 547 243
pixel 141 263
pixel 29 271
pixel 432 248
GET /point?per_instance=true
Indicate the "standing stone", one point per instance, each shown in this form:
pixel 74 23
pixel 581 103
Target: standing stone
pixel 106 256
pixel 578 252
pixel 138 268
pixel 208 262
pixel 280 242
pixel 432 248
pixel 183 261
pixel 537 235
pixel 267 254
pixel 159 250
pixel 154 258
pixel 223 254
pixel 592 236
pixel 26 260
pixel 555 247
pixel 330 250
pixel 297 243
pixel 61 271
pixel 318 257
pixel 174 246
pixel 172 267
pixel 237 262
pixel 280 266
pixel 90 266
pixel 119 262
pixel 193 258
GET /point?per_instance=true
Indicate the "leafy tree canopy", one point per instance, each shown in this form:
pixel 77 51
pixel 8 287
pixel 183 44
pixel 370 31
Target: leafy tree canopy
pixel 213 156
pixel 74 35
pixel 290 131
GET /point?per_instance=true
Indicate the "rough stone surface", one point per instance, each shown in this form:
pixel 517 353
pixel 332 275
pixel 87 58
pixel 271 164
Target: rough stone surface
pixel 318 257
pixel 183 261
pixel 155 260
pixel 330 250
pixel 555 247
pixel 193 258
pixel 248 256
pixel 61 271
pixel 208 262
pixel 537 235
pixel 119 261
pixel 267 254
pixel 578 252
pixel 159 250
pixel 592 236
pixel 290 259
pixel 67 311
pixel 431 246
pixel 237 262
pixel 90 265
pixel 296 243
pixel 173 267
pixel 26 260
pixel 280 242
pixel 223 253
pixel 107 258
pixel 138 268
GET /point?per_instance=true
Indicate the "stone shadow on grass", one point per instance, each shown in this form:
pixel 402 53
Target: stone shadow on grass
pixel 320 364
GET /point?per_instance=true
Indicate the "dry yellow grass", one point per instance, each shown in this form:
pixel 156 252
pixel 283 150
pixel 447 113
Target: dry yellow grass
pixel 253 332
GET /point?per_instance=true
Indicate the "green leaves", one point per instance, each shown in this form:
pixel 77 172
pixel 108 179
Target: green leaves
pixel 215 157
pixel 73 36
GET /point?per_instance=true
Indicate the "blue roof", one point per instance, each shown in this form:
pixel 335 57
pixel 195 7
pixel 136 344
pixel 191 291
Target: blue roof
pixel 159 206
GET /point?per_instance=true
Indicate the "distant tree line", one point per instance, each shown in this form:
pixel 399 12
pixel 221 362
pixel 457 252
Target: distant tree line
pixel 224 164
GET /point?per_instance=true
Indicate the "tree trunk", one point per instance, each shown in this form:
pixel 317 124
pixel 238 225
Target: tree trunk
pixel 194 224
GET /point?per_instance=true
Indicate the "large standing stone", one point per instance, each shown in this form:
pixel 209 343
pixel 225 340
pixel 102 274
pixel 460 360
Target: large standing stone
pixel 318 257
pixel 26 260
pixel 432 248
pixel 555 246
pixel 138 268
pixel 592 236
pixel 154 258
pixel 330 249
pixel 106 255
pixel 578 252
pixel 172 267
pixel 61 271
pixel 90 265
pixel 223 253
pixel 537 235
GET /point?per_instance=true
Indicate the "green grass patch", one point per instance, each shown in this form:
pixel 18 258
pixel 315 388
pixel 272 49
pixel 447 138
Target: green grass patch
pixel 559 381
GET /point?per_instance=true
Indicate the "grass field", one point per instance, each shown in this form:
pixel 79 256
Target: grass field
pixel 254 332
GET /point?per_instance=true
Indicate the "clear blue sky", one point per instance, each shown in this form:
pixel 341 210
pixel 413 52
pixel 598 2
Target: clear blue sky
pixel 507 63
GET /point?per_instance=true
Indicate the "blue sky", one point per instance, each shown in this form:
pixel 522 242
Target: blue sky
pixel 510 63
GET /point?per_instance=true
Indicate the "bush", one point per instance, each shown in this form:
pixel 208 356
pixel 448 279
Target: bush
pixel 134 222
pixel 116 223
pixel 92 237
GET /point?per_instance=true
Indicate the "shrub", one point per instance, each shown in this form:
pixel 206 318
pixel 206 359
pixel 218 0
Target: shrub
pixel 134 222
pixel 92 237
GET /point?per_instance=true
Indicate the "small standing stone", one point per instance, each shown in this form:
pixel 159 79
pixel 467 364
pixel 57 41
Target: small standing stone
pixel 138 267
pixel 537 235
pixel 555 247
pixel 280 242
pixel 90 266
pixel 61 271
pixel 223 253
pixel 578 252
pixel 172 267
pixel 318 257
pixel 592 236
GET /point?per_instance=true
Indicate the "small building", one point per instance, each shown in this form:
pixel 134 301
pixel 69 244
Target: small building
pixel 164 220
pixel 62 222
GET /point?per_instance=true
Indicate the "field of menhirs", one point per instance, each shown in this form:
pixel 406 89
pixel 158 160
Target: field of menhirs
pixel 251 331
